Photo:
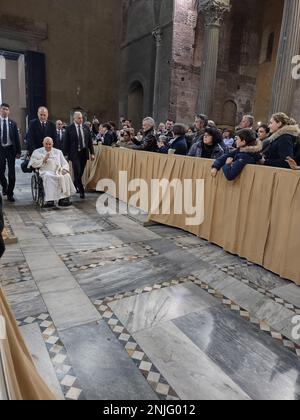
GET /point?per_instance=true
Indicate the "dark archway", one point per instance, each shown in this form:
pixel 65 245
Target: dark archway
pixel 136 104
pixel 229 113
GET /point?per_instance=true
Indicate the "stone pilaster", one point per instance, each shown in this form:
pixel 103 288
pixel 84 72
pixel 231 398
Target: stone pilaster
pixel 289 46
pixel 213 11
pixel 157 35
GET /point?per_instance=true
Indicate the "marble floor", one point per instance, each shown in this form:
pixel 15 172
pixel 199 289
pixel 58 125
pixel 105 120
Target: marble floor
pixel 112 308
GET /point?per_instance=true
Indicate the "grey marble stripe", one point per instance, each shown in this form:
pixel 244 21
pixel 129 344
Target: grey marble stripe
pixel 37 347
pixel 102 366
pixel 192 374
pixel 263 368
pixel 147 310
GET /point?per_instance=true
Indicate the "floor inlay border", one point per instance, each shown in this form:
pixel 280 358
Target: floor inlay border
pixel 151 374
pixel 230 270
pixel 67 258
pixel 105 226
pixel 58 355
pixel 8 233
pixel 106 313
pixel 24 273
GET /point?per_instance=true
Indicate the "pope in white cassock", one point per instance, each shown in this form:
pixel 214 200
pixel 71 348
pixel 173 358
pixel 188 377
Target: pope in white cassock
pixel 55 173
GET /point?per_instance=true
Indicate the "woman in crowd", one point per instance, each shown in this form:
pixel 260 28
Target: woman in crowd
pixel 125 139
pixel 284 132
pixel 161 129
pixel 247 152
pixel 263 134
pixel 190 136
pixel 178 144
pixel 210 147
pixel 228 138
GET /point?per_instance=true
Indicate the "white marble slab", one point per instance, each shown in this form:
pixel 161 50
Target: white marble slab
pixel 290 293
pixel 36 346
pixel 67 304
pixel 149 309
pixel 187 369
pixel 59 229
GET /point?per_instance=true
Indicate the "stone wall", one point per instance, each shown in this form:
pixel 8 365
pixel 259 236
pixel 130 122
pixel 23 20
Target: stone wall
pixel 81 40
pixel 186 61
pixel 138 56
pixel 271 25
pixel 240 41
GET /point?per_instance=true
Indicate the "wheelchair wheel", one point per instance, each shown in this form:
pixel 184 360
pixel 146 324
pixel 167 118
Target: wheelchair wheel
pixel 34 188
pixel 41 194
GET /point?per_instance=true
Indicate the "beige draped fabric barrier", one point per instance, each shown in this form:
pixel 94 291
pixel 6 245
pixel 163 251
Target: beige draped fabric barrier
pixel 256 217
pixel 19 379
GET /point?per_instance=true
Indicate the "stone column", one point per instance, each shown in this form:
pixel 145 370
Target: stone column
pixel 289 46
pixel 213 11
pixel 157 35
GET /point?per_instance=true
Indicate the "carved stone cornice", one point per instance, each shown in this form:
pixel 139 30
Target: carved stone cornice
pixel 16 28
pixel 213 10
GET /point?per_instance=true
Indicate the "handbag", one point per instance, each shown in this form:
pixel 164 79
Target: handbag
pixel 24 166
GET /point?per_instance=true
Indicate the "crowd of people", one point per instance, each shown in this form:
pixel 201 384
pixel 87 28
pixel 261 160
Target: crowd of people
pixel 51 146
pixel 276 144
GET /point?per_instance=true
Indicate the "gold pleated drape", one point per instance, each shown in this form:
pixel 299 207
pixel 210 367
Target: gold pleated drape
pixel 256 217
pixel 22 379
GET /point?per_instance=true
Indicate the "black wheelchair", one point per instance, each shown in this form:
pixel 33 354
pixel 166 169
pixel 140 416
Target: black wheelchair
pixel 37 189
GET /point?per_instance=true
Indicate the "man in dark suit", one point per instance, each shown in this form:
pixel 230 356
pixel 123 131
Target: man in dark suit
pixel 78 145
pixel 2 246
pixel 39 129
pixel 10 150
pixel 60 134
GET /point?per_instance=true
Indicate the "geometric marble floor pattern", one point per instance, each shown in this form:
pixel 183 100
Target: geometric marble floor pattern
pixel 157 313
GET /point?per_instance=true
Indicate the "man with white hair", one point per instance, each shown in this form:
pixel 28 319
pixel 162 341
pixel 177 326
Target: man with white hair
pixel 149 142
pixel 247 122
pixel 78 146
pixel 54 171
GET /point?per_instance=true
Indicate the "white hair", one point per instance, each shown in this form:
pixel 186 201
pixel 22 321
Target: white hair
pixel 150 120
pixel 48 139
pixel 77 114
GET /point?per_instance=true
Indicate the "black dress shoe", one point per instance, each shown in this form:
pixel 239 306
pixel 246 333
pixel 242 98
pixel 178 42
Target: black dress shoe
pixel 4 192
pixel 82 195
pixel 65 202
pixel 11 199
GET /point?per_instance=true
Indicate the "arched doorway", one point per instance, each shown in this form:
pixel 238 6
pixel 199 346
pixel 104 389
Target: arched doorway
pixel 136 104
pixel 229 113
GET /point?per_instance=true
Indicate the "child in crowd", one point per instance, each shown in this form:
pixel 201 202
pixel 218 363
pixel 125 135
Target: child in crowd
pixel 163 144
pixel 247 152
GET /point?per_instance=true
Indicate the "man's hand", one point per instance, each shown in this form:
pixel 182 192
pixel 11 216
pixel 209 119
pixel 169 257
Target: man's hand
pixel 92 158
pixel 47 157
pixel 262 161
pixel 293 164
pixel 229 161
pixel 18 156
pixel 214 172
